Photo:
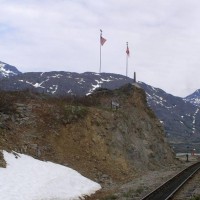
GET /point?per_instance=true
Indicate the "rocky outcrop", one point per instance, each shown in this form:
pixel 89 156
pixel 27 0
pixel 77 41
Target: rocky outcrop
pixel 109 136
pixel 2 161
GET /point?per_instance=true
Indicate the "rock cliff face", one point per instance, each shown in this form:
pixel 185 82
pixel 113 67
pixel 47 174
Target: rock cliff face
pixel 103 143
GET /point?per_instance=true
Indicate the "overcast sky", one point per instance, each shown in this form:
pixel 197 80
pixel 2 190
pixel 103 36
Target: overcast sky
pixel 63 35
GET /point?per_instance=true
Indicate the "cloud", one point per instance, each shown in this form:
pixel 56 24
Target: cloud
pixel 50 35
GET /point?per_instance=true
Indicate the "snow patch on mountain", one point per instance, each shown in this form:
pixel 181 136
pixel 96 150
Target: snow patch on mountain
pixel 194 98
pixel 94 87
pixel 7 70
pixel 194 120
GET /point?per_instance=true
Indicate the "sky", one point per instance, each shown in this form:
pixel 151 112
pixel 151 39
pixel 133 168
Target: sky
pixel 26 178
pixel 63 35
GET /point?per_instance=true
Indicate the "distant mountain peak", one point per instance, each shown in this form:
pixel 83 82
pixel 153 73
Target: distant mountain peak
pixel 194 98
pixel 7 70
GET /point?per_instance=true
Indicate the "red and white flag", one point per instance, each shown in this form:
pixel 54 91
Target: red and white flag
pixel 102 40
pixel 127 51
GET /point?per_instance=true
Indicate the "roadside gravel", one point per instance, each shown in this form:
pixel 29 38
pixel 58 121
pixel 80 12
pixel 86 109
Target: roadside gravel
pixel 144 184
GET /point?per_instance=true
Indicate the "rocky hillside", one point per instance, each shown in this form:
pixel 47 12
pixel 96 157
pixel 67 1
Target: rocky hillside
pixel 180 118
pixel 106 144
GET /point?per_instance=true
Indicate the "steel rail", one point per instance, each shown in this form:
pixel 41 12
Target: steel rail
pixel 170 187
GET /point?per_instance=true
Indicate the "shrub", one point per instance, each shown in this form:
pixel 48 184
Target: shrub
pixel 74 113
pixel 195 198
pixel 6 103
pixel 111 197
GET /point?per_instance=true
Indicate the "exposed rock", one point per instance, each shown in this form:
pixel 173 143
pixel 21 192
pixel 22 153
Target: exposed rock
pixel 102 143
pixel 2 161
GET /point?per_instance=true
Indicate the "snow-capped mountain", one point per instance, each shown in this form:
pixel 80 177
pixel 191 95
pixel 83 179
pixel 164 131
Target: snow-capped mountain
pixel 63 83
pixel 194 98
pixel 7 70
pixel 179 117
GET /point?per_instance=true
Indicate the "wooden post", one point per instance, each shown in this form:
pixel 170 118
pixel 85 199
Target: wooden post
pixel 134 77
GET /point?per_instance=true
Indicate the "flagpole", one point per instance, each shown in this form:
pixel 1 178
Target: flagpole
pixel 100 50
pixel 127 61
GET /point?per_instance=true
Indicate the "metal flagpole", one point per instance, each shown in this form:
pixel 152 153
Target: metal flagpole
pixel 100 50
pixel 127 59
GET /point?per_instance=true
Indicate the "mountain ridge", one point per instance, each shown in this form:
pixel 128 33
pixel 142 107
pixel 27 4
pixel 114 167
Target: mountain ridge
pixel 179 116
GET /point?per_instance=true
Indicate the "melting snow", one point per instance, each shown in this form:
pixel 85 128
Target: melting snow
pixel 69 91
pixel 108 80
pixel 194 120
pixel 81 81
pixel 153 88
pixel 26 178
pixel 36 85
pixel 4 71
pixel 55 87
pixel 94 87
pixel 57 76
pixel 157 99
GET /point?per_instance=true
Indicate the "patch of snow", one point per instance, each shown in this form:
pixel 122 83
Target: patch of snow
pixel 106 80
pixel 81 80
pixel 153 88
pixel 26 178
pixel 55 87
pixel 94 87
pixel 157 99
pixel 57 76
pixel 36 85
pixel 4 71
pixel 69 91
pixel 194 120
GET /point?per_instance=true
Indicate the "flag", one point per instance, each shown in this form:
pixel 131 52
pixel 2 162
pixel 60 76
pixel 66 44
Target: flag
pixel 102 40
pixel 127 51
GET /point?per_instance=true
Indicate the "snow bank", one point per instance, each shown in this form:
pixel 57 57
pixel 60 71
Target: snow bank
pixel 26 178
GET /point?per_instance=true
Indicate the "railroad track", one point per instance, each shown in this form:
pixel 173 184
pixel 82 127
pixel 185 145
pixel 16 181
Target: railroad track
pixel 168 189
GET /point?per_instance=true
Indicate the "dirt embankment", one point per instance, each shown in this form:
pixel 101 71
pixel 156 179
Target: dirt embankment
pixel 108 145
